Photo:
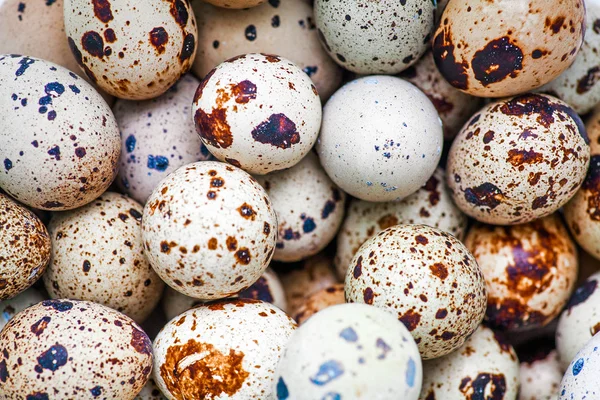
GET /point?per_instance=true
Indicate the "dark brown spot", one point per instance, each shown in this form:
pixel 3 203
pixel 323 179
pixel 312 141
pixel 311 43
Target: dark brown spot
pixel 589 80
pixel 272 58
pixel 244 91
pixel 519 157
pixel 278 130
pixel 488 137
pixel 443 52
pixel 179 12
pixel 52 204
pixel 266 228
pixel 189 45
pixel 158 38
pixel 432 188
pixel 79 58
pixel 358 268
pixel 165 247
pixel 484 387
pixel 511 314
pixel 439 270
pixel 368 296
pixel 410 319
pixel 497 60
pixel 555 25
pixel 420 239
pixel 231 243
pixel 441 313
pixel 234 162
pixel 92 43
pixel 38 328
pixel 140 341
pixel 484 195
pixel 212 244
pixel 247 211
pixel 109 36
pixel 102 10
pixel 243 256
pixel 387 221
pixel 86 266
pixel 214 128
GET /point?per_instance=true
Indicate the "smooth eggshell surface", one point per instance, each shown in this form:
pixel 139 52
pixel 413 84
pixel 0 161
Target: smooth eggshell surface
pixel 427 279
pixel 540 377
pixel 258 112
pixel 227 350
pixel 518 159
pixel 9 308
pixel 62 349
pixel 319 301
pixel 209 230
pixel 60 142
pixel 381 138
pixel 581 379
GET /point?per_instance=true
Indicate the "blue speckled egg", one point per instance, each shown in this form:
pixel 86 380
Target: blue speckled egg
pixel 581 379
pixel 350 351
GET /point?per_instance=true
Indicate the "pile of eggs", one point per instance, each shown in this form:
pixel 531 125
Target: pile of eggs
pixel 303 200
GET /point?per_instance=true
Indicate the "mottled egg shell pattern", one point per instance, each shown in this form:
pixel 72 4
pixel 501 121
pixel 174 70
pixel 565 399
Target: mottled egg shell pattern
pixel 258 112
pixel 502 48
pixel 453 106
pixel 581 379
pixel 350 351
pixel 98 255
pixel 268 28
pixel 309 207
pixel 9 308
pixel 209 230
pixel 427 278
pixel 375 37
pixel 228 349
pixel 373 128
pixel 24 248
pixel 235 3
pixel 530 271
pixel 150 392
pixel 579 321
pixel 60 142
pixel 431 205
pixel 484 366
pixel 319 301
pixel 157 137
pixel 518 159
pixel 540 376
pixel 62 349
pixel 132 50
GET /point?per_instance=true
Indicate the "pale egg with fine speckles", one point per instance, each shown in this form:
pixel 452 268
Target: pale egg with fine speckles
pixel 427 279
pixel 540 372
pixel 581 379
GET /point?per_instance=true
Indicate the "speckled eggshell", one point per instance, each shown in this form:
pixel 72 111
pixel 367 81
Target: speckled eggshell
pixel 258 112
pixel 581 379
pixel 228 349
pixel 236 3
pixel 309 207
pixel 375 37
pixel 61 349
pixel 579 321
pixel 24 248
pixel 60 142
pixel 9 308
pixel 350 351
pixel 540 376
pixel 209 230
pixel 381 138
pixel 269 28
pixel 518 159
pixel 484 366
pixel 133 50
pixel 157 137
pixel 425 277
pixel 150 392
pixel 530 271
pixel 319 301
pixel 593 130
pixel 453 106
pixel 98 255
pixel 431 205
pixel 504 47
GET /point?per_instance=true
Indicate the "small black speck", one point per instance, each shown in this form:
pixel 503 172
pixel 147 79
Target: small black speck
pixel 251 33
pixel 216 44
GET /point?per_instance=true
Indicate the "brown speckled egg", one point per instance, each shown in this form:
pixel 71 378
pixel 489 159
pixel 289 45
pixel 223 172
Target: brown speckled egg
pixel 320 300
pixel 223 350
pixel 60 142
pixel 485 367
pixel 150 392
pixel 518 159
pixel 133 50
pixel 158 136
pixel 24 248
pixel 269 28
pixel 98 255
pixel 431 205
pixel 309 207
pixel 10 307
pixel 209 230
pixel 540 373
pixel 502 48
pixel 427 278
pixel 258 112
pixel 60 349
pixel 236 3
pixel 453 106
pixel 530 271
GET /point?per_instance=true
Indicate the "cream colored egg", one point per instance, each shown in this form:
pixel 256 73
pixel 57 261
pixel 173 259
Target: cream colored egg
pixel 581 379
pixel 9 308
pixel 540 377
pixel 319 301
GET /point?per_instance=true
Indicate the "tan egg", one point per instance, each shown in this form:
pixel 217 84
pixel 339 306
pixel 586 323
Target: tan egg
pixel 518 159
pixel 228 349
pixel 60 141
pixel 484 366
pixel 24 248
pixel 209 230
pixel 37 29
pixel 258 112
pixel 530 271
pixel 10 307
pixel 132 50
pixel 309 207
pixel 453 106
pixel 60 349
pixel 150 392
pixel 593 130
pixel 157 136
pixel 269 28
pixel 540 374
pixel 98 255
pixel 425 277
pixel 314 274
pixel 503 48
pixel 320 300
pixel 237 3
pixel 431 205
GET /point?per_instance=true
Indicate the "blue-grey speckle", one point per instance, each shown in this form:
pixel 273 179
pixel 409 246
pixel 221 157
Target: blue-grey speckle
pixel 578 366
pixel 130 143
pixel 282 390
pixel 158 163
pixel 411 369
pixel 332 396
pixel 385 348
pixel 309 225
pixel 349 334
pixel 328 371
pixel 24 64
pixel 7 164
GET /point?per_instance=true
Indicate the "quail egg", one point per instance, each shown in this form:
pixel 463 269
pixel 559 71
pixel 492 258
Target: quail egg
pixel 319 301
pixel 581 379
pixel 540 373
